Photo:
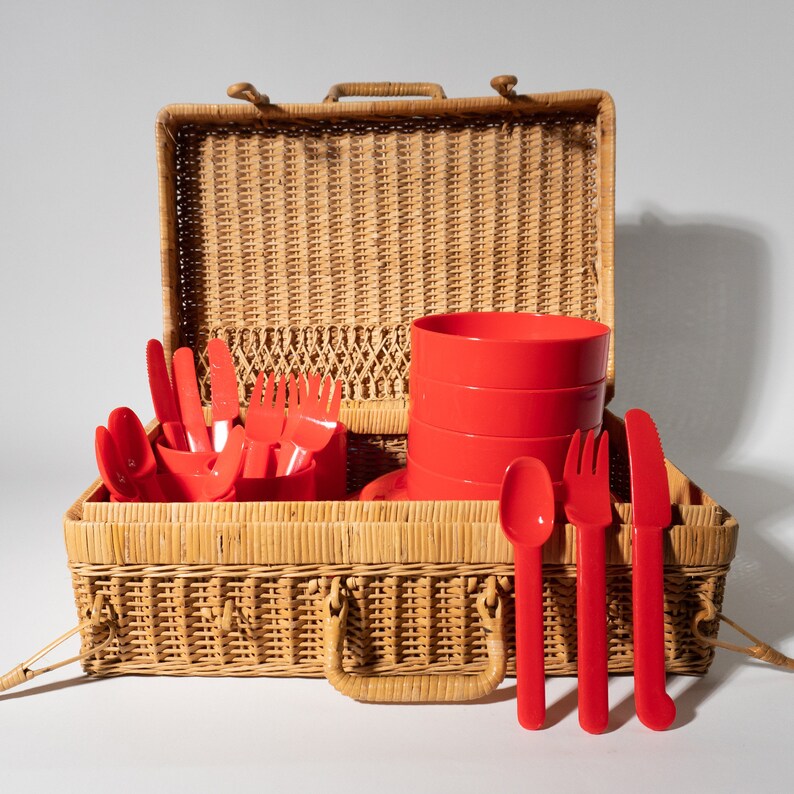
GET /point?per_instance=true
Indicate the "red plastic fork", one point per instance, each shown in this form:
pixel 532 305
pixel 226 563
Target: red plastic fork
pixel 264 423
pixel 310 428
pixel 588 508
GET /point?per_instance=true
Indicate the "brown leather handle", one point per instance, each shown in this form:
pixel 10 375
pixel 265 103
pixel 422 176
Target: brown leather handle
pixel 431 90
pixel 427 688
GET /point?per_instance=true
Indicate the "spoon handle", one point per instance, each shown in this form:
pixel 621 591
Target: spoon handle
pixel 591 622
pixel 530 655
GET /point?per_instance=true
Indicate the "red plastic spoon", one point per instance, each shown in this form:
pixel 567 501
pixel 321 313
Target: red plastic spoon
pixel 526 512
pixel 111 468
pixel 136 452
pixel 227 467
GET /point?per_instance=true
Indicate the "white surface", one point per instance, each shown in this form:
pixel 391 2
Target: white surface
pixel 705 243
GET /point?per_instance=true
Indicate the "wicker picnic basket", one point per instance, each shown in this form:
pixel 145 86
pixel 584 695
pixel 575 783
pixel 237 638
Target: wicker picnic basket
pixel 308 237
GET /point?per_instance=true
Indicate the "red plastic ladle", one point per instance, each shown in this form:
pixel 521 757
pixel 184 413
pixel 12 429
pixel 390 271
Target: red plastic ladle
pixel 526 512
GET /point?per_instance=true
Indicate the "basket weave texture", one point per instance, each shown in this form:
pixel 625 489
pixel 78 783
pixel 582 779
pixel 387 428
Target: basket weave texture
pixel 309 237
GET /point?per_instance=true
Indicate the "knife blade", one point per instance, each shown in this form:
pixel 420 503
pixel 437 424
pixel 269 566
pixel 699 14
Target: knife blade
pixel 650 501
pixel 225 399
pixel 184 367
pixel 163 399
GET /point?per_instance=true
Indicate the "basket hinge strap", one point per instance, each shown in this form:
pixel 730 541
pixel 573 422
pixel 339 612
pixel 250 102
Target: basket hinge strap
pixel 447 687
pixel 23 672
pixel 759 650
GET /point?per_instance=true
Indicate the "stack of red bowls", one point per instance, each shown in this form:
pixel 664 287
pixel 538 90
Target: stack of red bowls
pixel 489 387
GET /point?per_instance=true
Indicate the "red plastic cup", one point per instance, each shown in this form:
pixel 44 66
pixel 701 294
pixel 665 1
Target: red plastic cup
pixel 510 350
pixel 506 412
pixel 300 486
pixel 175 461
pixel 331 460
pixel 188 488
pixel 423 483
pixel 480 458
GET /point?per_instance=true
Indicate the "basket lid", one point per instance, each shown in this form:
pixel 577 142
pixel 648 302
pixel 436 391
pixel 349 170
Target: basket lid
pixel 310 236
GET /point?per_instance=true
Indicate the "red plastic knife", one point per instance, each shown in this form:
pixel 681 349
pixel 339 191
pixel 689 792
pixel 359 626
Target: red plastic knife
pixel 650 500
pixel 225 399
pixel 163 398
pixel 184 367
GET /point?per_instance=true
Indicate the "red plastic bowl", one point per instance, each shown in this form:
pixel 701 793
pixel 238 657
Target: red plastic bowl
pixel 510 350
pixel 480 458
pixel 425 484
pixel 506 412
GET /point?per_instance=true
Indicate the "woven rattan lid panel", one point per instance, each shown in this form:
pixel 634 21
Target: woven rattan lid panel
pixel 316 240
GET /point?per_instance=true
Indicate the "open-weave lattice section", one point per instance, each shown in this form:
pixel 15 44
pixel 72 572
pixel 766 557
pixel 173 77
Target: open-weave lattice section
pixel 371 360
pixel 248 620
pixel 350 221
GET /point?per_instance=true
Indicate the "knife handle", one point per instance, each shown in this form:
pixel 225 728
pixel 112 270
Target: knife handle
pixel 221 430
pixel 530 651
pixel 655 708
pixel 175 435
pixel 591 628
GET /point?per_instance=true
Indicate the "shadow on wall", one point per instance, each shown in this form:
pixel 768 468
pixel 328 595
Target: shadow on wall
pixel 693 298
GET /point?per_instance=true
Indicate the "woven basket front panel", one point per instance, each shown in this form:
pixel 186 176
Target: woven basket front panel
pixel 403 618
pixel 315 244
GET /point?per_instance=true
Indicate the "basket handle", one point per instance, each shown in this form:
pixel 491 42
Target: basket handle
pixel 22 672
pixel 449 687
pixel 249 93
pixel 758 650
pixel 431 90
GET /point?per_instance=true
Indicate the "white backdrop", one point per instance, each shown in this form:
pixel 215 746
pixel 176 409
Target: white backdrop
pixel 705 242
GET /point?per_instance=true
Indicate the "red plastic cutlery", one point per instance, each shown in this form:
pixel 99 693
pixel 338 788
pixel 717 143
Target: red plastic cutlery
pixel 264 423
pixel 112 470
pixel 588 508
pixel 135 451
pixel 651 509
pixel 225 399
pixel 163 398
pixel 187 392
pixel 227 467
pixel 311 428
pixel 526 513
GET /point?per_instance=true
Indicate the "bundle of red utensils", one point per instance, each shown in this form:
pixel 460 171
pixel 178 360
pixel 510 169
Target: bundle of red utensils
pixel 527 513
pixel 289 420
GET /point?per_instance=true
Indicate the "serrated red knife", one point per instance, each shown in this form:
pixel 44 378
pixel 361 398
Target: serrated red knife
pixel 163 398
pixel 650 501
pixel 223 385
pixel 187 392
